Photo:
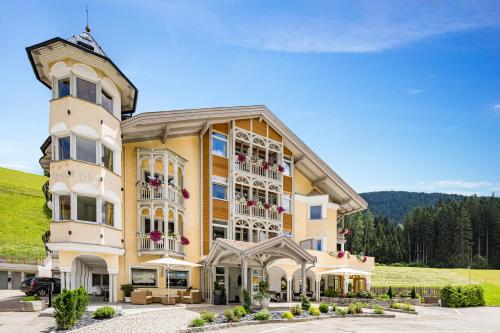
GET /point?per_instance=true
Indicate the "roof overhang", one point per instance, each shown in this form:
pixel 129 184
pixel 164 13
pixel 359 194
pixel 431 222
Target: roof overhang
pixel 154 125
pixel 56 49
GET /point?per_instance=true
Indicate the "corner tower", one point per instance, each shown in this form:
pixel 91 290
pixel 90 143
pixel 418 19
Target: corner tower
pixel 90 97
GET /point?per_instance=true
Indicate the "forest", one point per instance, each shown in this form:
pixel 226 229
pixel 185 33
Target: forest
pixel 458 232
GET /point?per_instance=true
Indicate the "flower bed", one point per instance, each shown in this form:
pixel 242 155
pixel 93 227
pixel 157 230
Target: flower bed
pixel 87 320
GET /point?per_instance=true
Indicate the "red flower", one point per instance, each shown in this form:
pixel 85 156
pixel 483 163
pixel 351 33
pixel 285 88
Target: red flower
pixel 242 157
pixel 185 193
pixel 365 258
pixel 154 182
pixel 281 168
pixel 265 165
pixel 250 203
pixel 184 240
pixel 267 206
pixel 155 236
pixel 280 209
pixel 340 254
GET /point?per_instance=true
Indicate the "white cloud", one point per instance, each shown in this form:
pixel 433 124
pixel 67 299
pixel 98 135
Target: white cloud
pixel 459 186
pixel 414 91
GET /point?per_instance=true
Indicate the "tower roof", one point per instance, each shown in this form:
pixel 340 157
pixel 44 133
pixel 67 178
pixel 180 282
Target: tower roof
pixel 86 40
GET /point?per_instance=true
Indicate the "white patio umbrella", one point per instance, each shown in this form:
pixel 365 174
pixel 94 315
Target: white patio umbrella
pixel 345 270
pixel 171 263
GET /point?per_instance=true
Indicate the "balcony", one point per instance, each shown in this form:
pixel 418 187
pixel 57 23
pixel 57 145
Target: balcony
pixel 161 192
pixel 257 212
pixel 85 233
pixel 166 244
pixel 256 169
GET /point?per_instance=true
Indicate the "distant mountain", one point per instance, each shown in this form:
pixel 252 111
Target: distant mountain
pixel 396 204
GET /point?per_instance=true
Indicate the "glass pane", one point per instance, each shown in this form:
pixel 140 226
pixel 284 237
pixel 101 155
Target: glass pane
pixel 219 232
pixel 108 213
pixel 315 212
pixel 219 147
pixel 85 90
pixel 219 191
pixel 143 277
pixel 64 148
pixel 64 207
pixel 107 101
pixel 96 279
pixel 86 208
pixel 85 150
pixel 177 279
pixel 219 270
pixel 63 86
pixel 105 280
pixel 107 158
pixel 147 226
pixel 288 169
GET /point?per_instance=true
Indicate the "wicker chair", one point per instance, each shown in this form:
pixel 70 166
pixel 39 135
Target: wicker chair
pixel 142 297
pixel 191 297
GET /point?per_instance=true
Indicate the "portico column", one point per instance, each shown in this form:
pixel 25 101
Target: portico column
pixel 63 281
pixel 318 289
pixel 289 288
pixel 346 284
pixel 304 278
pixel 368 281
pixel 244 277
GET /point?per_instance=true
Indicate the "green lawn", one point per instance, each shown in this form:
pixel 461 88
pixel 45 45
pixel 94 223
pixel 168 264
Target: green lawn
pixel 24 217
pixel 415 276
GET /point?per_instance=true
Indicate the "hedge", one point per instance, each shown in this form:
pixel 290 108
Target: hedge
pixel 462 296
pixel 69 307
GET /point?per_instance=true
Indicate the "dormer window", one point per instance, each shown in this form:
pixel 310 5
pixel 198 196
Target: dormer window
pixel 107 101
pixel 63 87
pixel 86 90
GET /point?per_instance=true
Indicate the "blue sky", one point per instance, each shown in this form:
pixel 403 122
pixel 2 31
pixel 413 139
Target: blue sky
pixel 400 95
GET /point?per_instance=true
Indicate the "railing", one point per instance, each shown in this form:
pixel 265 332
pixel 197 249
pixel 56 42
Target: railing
pixel 144 243
pixel 257 169
pixel 259 212
pixel 148 192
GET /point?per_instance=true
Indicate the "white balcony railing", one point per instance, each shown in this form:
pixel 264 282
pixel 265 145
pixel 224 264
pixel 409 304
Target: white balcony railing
pixel 148 192
pixel 258 170
pixel 165 244
pixel 259 212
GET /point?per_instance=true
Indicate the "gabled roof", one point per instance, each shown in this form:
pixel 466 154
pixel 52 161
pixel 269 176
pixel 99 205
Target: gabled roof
pixel 156 125
pixel 88 41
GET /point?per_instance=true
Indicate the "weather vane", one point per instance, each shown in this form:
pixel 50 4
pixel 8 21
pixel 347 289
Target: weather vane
pixel 87 27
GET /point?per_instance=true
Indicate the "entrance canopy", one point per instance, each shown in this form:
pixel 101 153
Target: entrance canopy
pixel 345 271
pixel 225 251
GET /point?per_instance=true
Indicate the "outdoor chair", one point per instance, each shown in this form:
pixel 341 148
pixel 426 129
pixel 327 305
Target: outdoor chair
pixel 142 297
pixel 191 297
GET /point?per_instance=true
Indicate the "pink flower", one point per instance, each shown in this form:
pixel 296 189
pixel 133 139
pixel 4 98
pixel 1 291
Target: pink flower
pixel 265 165
pixel 281 168
pixel 280 209
pixel 267 206
pixel 184 240
pixel 250 203
pixel 155 236
pixel 154 182
pixel 365 258
pixel 185 193
pixel 340 254
pixel 242 157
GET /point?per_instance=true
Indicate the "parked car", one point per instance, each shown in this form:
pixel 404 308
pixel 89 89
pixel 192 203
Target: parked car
pixel 40 286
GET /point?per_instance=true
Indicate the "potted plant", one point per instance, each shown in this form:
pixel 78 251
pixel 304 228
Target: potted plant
pixel 127 291
pixel 263 294
pixel 32 304
pixel 219 294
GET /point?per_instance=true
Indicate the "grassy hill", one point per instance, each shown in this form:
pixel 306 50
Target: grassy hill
pixel 417 276
pixel 24 216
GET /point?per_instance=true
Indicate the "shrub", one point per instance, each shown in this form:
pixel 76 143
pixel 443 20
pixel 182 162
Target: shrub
pixel 403 306
pixel 127 289
pixel 355 308
pixel 462 296
pixel 364 294
pixel 262 315
pixel 246 300
pixel 65 309
pixel 229 314
pixel 334 306
pixel 239 311
pixel 305 302
pixel 390 294
pixel 207 316
pixel 104 313
pixel 350 294
pixel 30 298
pixel 340 312
pixel 413 293
pixel 287 315
pixel 383 297
pixel 314 311
pixel 82 301
pixel 296 310
pixel 330 292
pixel 197 322
pixel 323 308
pixel 377 309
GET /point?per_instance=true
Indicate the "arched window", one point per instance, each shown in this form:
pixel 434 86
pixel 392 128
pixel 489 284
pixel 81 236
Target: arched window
pixel 274 231
pixel 259 232
pixel 242 231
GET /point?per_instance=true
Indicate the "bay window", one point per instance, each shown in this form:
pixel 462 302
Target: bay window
pixel 107 101
pixel 86 208
pixel 63 87
pixel 64 207
pixel 107 158
pixel 86 90
pixel 63 145
pixel 108 213
pixel 85 150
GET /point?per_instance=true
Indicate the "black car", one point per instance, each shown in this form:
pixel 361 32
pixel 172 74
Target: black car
pixel 40 286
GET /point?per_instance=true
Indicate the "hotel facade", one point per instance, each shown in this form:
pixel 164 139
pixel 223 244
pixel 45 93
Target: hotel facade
pixel 231 188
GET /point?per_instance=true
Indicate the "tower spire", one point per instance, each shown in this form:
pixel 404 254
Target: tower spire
pixel 87 27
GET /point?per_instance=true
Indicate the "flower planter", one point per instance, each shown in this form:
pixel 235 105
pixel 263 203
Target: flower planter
pixel 264 302
pixel 32 306
pixel 127 299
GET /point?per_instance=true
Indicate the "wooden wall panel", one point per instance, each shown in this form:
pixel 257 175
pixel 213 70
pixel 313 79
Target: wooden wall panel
pixel 223 128
pixel 206 192
pixel 221 209
pixel 259 127
pixel 273 134
pixel 287 222
pixel 287 152
pixel 287 184
pixel 220 166
pixel 244 124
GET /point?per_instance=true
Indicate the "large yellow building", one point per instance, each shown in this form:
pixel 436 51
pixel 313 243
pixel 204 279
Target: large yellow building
pixel 231 188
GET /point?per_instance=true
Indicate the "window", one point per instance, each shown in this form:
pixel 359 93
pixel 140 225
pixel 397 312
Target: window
pixel 219 230
pixel 63 87
pixel 220 276
pixel 242 234
pixel 64 207
pixel 108 213
pixel 85 150
pixel 86 208
pixel 158 225
pixel 312 244
pixel 99 280
pixel 86 90
pixel 107 101
pixel 287 203
pixel 142 277
pixel 315 212
pixel 64 148
pixel 107 158
pixel 219 144
pixel 177 279
pixel 288 168
pixel 219 191
pixel 318 244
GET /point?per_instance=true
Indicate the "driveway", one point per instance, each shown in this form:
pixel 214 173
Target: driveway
pixel 429 319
